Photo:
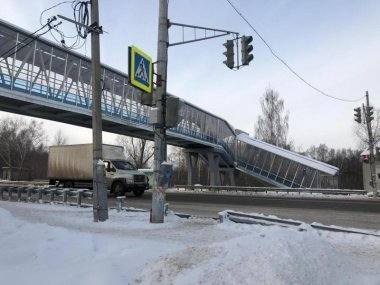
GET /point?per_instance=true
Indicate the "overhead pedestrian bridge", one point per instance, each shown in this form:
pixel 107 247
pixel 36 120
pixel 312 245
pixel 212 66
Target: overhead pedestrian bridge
pixel 41 79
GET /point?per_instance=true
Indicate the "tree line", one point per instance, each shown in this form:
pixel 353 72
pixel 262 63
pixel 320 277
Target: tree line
pixel 273 126
pixel 23 146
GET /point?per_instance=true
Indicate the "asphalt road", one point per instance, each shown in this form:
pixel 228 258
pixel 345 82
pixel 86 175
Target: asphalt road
pixel 363 213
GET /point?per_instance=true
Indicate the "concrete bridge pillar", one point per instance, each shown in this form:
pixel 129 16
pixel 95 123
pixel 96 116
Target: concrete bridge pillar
pixel 192 159
pixel 231 175
pixel 213 168
pixel 228 176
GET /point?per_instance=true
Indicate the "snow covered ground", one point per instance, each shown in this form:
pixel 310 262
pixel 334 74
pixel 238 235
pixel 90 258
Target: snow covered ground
pixel 272 194
pixel 54 244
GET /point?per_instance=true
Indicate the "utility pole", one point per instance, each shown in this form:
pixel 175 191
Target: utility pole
pixel 100 207
pixel 158 197
pixel 369 118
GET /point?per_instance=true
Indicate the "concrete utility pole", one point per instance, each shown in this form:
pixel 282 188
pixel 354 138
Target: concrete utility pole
pixel 100 206
pixel 158 197
pixel 371 147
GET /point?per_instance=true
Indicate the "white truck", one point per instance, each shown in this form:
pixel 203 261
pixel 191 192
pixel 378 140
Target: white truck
pixel 71 166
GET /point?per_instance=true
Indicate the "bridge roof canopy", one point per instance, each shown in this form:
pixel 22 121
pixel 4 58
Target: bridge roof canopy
pixel 304 160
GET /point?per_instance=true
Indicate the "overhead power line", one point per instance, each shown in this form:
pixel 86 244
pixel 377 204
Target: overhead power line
pixel 29 39
pixel 80 15
pixel 285 63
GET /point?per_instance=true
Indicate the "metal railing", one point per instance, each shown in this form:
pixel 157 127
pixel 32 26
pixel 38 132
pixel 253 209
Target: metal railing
pixel 44 194
pixel 260 219
pixel 52 194
pixel 44 70
pixel 244 189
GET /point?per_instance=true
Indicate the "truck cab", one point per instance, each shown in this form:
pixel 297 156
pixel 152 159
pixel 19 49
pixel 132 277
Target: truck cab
pixel 123 177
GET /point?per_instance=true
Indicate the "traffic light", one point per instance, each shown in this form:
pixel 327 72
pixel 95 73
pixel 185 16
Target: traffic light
pixel 358 115
pixel 369 114
pixel 246 48
pixel 229 53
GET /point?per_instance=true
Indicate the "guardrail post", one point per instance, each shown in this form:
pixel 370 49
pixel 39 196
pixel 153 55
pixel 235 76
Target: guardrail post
pixel 29 194
pixel 120 203
pixel 64 196
pixel 40 192
pixel 19 193
pixel 10 190
pixel 2 188
pixel 222 217
pixel 79 197
pixel 52 195
pixel 166 208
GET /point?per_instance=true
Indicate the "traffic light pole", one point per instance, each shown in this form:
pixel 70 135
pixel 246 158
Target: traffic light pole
pixel 372 160
pixel 160 147
pixel 159 128
pixel 100 207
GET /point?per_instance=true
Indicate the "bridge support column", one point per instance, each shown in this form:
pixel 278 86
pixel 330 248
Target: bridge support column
pixel 213 168
pixel 231 175
pixel 228 176
pixel 191 163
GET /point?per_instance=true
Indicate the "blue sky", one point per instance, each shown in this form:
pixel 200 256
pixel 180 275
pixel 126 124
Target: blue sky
pixel 333 44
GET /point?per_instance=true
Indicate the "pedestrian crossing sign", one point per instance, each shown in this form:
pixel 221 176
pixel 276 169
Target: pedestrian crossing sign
pixel 140 69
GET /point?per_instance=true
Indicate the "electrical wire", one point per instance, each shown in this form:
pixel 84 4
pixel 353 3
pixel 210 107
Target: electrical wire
pixel 52 7
pixel 285 63
pixel 81 15
pixel 31 37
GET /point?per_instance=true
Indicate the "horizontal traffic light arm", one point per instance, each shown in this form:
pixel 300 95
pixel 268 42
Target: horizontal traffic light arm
pixel 197 40
pixel 216 33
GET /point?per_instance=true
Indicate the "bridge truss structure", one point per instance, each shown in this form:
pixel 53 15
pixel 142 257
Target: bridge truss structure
pixel 41 79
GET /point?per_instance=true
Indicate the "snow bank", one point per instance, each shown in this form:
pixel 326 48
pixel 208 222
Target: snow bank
pixel 51 244
pixel 41 254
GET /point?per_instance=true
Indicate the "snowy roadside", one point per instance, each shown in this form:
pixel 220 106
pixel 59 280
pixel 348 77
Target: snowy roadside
pixel 54 244
pixel 272 194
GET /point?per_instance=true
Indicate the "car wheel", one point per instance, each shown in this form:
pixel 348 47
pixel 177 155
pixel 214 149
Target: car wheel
pixel 138 192
pixel 118 189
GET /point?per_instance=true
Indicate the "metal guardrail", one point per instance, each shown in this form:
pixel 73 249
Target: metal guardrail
pixel 244 218
pixel 52 194
pixel 44 194
pixel 24 183
pixel 245 189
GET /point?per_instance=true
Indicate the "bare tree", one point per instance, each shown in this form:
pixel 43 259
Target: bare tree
pixel 139 151
pixel 8 134
pixel 360 131
pixel 59 138
pixel 18 139
pixel 347 160
pixel 177 158
pixel 320 152
pixel 30 136
pixel 273 125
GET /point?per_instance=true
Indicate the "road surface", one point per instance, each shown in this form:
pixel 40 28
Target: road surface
pixel 364 213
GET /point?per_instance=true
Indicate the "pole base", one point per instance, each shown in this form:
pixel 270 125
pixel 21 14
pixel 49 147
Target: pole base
pixel 157 212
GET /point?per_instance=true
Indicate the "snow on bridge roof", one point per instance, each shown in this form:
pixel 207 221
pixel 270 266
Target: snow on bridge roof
pixel 304 160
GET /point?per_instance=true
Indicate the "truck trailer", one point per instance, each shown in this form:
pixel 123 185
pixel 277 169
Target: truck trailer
pixel 72 166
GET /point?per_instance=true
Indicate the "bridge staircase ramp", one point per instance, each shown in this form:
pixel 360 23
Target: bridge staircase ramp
pixel 280 167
